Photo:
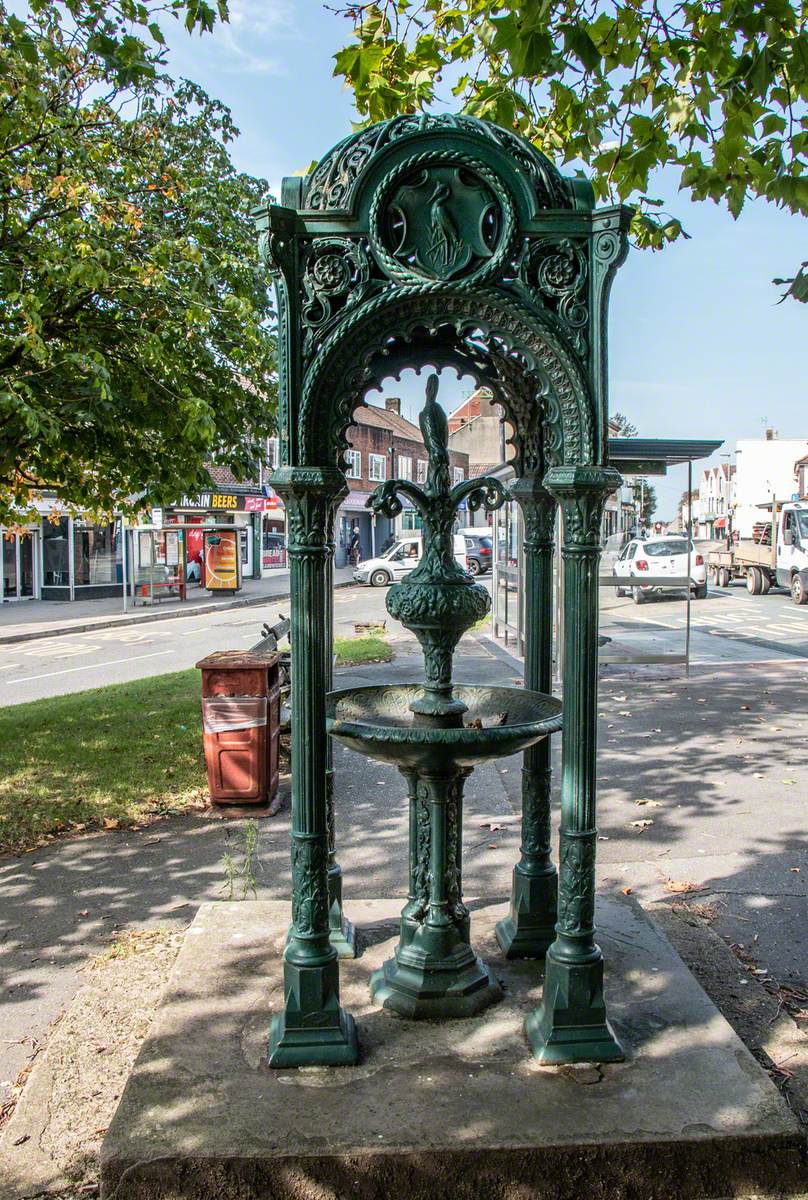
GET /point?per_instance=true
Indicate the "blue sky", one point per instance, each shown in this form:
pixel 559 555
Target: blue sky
pixel 699 346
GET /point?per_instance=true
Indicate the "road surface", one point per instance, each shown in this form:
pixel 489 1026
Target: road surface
pixel 729 626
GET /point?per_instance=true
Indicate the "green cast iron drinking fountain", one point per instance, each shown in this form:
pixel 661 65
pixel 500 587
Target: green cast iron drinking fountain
pixel 435 735
pixel 443 239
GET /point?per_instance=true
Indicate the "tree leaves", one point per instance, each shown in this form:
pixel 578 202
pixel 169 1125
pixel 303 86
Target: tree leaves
pixel 135 341
pixel 715 91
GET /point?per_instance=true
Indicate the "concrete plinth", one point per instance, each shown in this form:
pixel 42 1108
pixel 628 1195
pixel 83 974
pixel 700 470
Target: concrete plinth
pixel 456 1110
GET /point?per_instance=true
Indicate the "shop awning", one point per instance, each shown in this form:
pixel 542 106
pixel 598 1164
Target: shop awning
pixel 355 501
pixel 721 523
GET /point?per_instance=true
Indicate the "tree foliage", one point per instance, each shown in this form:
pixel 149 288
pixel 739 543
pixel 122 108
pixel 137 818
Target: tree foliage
pixel 625 426
pixel 645 499
pixel 714 89
pixel 134 341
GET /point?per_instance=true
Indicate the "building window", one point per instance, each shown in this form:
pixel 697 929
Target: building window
pixel 55 561
pixel 421 467
pixel 410 520
pixel 354 464
pixel 458 475
pixel 273 453
pixel 404 467
pixel 377 468
pixel 96 553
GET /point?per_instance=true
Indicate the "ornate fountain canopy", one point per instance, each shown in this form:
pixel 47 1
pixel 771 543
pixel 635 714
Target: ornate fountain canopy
pixel 443 240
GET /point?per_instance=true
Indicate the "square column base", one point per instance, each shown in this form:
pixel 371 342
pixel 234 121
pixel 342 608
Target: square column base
pixel 528 931
pixel 570 1026
pixel 342 939
pixel 332 1047
pixel 312 1030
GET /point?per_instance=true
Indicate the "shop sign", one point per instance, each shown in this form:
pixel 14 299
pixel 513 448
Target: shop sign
pixel 230 502
pixel 262 503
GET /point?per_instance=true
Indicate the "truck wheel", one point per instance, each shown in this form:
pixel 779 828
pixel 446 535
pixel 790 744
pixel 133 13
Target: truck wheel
pixel 754 581
pixel 799 590
pixel 723 577
pixel 379 579
pixel 767 582
pixel 638 595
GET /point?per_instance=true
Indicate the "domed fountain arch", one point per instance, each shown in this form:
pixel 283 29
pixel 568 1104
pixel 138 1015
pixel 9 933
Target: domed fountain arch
pixel 448 241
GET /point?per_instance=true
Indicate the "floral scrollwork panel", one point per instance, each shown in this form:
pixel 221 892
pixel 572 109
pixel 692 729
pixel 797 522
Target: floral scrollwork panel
pixel 310 887
pixel 555 269
pixel 336 272
pixel 576 892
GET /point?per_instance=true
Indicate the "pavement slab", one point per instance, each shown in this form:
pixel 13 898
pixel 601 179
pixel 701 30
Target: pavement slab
pixel 442 1109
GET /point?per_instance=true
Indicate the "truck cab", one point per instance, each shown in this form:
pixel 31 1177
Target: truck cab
pixel 791 555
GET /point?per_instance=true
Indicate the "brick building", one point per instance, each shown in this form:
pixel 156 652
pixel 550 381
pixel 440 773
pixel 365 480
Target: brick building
pixel 383 445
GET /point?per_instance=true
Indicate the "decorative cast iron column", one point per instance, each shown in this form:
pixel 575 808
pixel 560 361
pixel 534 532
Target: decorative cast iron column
pixel 312 1030
pixel 570 1024
pixel 529 928
pixel 342 932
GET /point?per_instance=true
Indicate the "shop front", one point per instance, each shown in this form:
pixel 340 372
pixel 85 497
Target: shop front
pixel 81 560
pixel 241 507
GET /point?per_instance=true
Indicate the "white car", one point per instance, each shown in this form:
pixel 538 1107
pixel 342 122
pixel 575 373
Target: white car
pixel 660 556
pixel 402 557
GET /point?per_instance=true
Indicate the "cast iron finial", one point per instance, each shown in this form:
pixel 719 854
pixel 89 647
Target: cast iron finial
pixel 438 601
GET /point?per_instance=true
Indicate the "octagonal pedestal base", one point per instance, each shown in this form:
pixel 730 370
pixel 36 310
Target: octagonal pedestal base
pixel 430 993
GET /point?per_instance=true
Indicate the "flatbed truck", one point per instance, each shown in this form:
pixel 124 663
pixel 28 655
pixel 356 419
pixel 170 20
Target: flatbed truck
pixel 775 555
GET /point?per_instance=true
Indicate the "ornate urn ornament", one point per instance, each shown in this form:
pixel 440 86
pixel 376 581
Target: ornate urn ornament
pixel 438 601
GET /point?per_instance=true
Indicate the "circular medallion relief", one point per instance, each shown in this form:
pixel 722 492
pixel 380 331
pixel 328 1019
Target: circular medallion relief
pixel 440 220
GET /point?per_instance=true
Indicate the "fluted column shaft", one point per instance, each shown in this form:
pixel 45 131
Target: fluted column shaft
pixel 312 1029
pixel 342 934
pixel 570 1024
pixel 529 928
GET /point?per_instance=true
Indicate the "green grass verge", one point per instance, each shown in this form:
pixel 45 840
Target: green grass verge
pixel 120 754
pixel 114 756
pixel 353 651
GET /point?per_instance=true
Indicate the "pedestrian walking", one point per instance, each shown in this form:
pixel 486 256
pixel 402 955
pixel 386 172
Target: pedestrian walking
pixel 354 547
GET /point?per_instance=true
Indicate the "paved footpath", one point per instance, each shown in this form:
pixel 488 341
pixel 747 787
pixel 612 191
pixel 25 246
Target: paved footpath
pixel 27 620
pixel 716 767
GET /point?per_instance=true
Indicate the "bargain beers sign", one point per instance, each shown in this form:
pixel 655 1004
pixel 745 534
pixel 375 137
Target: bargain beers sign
pixel 230 502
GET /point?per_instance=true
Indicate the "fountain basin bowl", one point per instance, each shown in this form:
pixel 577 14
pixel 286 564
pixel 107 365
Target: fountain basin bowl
pixel 377 721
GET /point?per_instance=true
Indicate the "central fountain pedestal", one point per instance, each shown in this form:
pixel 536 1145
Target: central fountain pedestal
pixel 435 972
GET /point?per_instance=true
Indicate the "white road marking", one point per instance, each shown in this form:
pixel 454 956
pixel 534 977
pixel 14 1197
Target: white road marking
pixel 91 666
pixel 39 651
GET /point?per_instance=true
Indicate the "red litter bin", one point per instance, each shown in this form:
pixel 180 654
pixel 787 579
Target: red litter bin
pixel 241 724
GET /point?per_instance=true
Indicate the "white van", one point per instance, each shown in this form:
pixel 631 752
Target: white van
pixel 402 557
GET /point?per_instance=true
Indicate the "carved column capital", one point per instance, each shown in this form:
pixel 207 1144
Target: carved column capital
pixel 538 511
pixel 310 495
pixel 581 491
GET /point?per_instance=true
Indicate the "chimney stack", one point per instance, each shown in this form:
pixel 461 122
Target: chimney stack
pixel 393 404
pixel 771 435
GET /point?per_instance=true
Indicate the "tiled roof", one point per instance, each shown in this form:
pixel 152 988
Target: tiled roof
pixel 476 469
pixel 223 477
pixel 381 418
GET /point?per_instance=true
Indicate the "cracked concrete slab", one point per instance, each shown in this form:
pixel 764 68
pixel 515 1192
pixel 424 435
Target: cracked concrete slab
pixel 438 1110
